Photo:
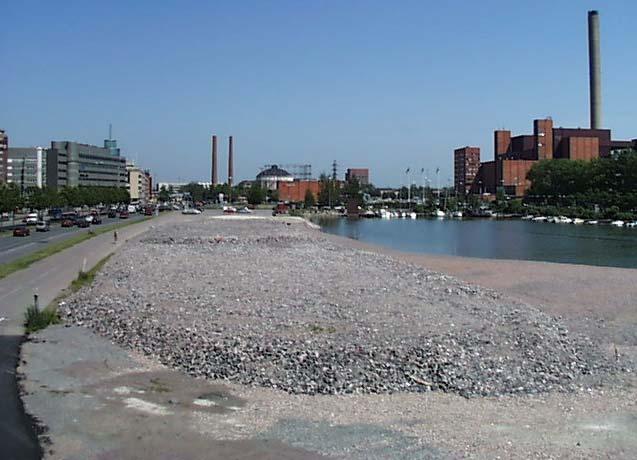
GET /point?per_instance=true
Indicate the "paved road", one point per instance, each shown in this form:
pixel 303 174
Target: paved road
pixel 12 248
pixel 48 277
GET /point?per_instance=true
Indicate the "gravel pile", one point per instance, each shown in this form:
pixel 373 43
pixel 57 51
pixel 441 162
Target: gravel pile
pixel 276 304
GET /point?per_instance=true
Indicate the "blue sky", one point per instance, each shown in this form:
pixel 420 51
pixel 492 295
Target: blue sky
pixel 384 85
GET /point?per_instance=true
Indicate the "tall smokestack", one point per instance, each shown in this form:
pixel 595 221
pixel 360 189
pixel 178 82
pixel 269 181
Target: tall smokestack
pixel 594 70
pixel 230 165
pixel 214 179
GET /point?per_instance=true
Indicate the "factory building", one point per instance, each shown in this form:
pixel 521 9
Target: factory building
pixel 360 174
pixel 26 166
pixel 71 164
pixel 515 156
pixel 295 191
pixel 466 162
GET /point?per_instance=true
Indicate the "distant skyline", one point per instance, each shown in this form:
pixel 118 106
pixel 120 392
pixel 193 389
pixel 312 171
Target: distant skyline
pixel 379 85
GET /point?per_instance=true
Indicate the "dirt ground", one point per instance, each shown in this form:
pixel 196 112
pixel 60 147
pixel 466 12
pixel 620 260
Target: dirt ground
pixel 99 401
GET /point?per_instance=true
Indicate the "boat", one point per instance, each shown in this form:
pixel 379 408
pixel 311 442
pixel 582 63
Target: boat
pixel 578 221
pixel 591 222
pixel 631 224
pixel 439 214
pixel 368 214
pixel 540 219
pixel 456 214
pixel 412 215
pixel 617 223
pixel 563 220
pixel 527 217
pixel 403 214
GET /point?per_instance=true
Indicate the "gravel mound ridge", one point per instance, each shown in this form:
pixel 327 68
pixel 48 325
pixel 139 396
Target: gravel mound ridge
pixel 280 305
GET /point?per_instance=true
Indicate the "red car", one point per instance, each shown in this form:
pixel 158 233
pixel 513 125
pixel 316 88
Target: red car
pixel 21 230
pixel 123 215
pixel 68 223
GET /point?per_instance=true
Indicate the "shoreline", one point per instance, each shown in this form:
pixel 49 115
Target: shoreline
pixel 559 289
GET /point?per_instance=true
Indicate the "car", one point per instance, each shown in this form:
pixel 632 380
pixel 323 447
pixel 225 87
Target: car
pixel 97 220
pixel 245 210
pixel 31 219
pixel 123 215
pixel 112 214
pixel 81 222
pixel 149 211
pixel 89 219
pixel 42 226
pixel 191 211
pixel 21 230
pixel 229 209
pixel 68 223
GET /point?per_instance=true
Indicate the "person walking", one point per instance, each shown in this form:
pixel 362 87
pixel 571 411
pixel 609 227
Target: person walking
pixel 115 237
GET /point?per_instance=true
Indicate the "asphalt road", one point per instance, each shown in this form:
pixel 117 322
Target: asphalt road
pixel 12 248
pixel 47 277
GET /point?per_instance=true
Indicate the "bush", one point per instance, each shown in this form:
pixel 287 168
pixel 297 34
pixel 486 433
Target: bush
pixel 35 319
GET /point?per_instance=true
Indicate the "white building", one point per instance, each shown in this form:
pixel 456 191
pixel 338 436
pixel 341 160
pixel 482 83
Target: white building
pixel 271 177
pixel 139 183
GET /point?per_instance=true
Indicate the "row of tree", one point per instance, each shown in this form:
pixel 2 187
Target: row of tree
pixel 12 198
pixel 602 183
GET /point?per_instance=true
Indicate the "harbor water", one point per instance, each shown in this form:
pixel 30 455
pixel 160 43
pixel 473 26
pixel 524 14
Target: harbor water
pixel 602 245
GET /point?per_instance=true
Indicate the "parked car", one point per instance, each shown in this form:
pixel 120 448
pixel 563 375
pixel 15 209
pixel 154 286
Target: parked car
pixel 89 218
pixel 97 220
pixel 81 222
pixel 245 210
pixel 68 223
pixel 124 215
pixel 112 214
pixel 31 219
pixel 191 211
pixel 148 211
pixel 42 226
pixel 21 230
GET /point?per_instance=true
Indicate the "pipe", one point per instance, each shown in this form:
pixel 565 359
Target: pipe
pixel 214 177
pixel 230 162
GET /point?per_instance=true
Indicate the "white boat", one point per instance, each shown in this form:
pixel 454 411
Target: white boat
pixel 539 219
pixel 578 221
pixel 412 215
pixel 438 213
pixel 403 214
pixel 564 220
pixel 617 223
pixel 457 214
pixel 528 217
pixel 591 222
pixel 631 224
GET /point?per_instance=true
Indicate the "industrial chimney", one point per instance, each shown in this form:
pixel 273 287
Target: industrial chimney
pixel 230 164
pixel 214 179
pixel 594 70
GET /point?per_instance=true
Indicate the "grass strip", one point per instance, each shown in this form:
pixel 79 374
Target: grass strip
pixel 26 261
pixel 35 320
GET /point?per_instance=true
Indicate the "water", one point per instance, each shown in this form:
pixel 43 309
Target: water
pixel 497 239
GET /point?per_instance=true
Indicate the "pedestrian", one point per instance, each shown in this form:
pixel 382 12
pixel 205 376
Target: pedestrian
pixel 115 237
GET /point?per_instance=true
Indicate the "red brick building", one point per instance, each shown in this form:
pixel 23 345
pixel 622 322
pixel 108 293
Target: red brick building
pixel 514 156
pixel 466 162
pixel 295 191
pixel 360 174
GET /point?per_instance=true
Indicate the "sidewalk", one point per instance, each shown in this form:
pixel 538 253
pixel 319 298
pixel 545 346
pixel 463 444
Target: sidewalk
pixel 48 278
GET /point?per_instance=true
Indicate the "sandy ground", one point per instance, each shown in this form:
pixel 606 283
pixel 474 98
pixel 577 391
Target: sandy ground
pixel 87 391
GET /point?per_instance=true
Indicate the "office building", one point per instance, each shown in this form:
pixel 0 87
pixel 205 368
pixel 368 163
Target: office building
pixel 71 164
pixel 26 166
pixel 4 145
pixel 466 162
pixel 139 184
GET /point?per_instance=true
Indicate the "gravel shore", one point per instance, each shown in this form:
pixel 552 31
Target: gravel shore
pixel 274 303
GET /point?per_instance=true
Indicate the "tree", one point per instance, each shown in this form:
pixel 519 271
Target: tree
pixel 10 198
pixel 164 194
pixel 329 191
pixel 256 194
pixel 309 200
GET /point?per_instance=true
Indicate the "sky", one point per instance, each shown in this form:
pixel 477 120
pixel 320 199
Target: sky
pixel 377 84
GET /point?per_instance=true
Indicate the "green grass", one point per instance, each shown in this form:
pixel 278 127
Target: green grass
pixel 26 261
pixel 35 320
